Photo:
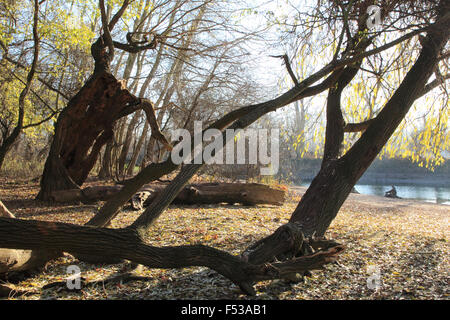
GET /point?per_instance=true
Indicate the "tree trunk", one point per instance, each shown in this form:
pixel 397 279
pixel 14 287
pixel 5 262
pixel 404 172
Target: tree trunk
pixel 84 126
pixel 337 177
pixel 323 198
pixel 137 150
pixel 105 168
pixel 203 193
pixel 126 143
pixel 19 260
pixel 120 244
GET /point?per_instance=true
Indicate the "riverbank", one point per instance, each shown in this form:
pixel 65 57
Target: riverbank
pixel 376 204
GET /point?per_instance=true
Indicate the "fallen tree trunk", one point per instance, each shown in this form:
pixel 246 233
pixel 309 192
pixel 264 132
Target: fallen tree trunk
pixel 211 193
pixel 204 193
pixel 18 260
pixel 127 244
pixel 88 194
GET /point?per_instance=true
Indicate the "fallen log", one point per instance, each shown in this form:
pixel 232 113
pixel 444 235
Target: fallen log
pixel 231 193
pixel 127 244
pixel 16 259
pixel 86 195
pixel 203 193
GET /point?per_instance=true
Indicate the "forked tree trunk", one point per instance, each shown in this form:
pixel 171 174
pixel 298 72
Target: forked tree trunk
pixel 83 127
pixel 86 124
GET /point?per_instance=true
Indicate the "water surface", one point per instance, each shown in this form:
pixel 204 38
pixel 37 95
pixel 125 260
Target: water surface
pixel 439 195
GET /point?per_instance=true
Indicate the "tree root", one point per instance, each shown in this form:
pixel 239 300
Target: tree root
pixel 7 291
pixel 287 249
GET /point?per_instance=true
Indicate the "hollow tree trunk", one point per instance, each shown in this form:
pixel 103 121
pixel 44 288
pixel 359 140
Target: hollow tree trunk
pixel 85 125
pixel 82 129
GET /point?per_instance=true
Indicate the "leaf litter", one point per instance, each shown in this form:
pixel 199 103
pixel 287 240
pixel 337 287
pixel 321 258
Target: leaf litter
pixel 404 245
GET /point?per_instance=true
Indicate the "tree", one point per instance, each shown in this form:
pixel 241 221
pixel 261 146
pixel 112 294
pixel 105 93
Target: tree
pixel 86 124
pixel 8 139
pixel 298 246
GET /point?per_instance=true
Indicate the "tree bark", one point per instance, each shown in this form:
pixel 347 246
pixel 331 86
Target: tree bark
pixel 203 193
pixel 335 180
pixel 84 126
pixel 12 260
pixel 126 244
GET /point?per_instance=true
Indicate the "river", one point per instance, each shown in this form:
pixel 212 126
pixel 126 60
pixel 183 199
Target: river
pixel 440 195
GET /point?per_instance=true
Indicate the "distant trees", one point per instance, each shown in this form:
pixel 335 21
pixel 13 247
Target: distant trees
pixel 57 70
pixel 10 136
pixel 97 115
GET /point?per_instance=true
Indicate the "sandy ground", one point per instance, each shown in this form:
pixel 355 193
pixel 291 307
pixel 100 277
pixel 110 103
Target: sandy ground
pixel 377 203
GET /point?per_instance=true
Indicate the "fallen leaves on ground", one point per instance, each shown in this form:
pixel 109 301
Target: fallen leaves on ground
pixel 405 249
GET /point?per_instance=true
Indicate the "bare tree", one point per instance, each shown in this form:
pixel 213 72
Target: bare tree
pixel 9 139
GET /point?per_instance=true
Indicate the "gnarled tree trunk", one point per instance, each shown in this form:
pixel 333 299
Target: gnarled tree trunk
pixel 86 124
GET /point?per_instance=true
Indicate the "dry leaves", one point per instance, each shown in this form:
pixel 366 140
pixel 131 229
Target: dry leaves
pixel 404 245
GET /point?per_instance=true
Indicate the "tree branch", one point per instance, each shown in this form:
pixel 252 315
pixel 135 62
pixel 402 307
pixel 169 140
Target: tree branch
pixel 288 67
pixel 4 212
pixel 357 127
pixel 43 81
pixel 106 31
pixel 118 14
pixel 120 244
